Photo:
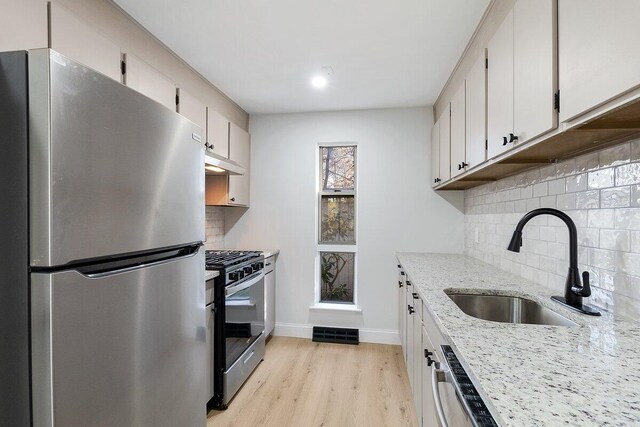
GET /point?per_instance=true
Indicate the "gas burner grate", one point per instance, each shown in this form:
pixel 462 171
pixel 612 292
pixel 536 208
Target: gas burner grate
pixel 217 260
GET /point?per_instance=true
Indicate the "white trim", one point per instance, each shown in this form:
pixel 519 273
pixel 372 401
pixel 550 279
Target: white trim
pixel 376 336
pixel 335 307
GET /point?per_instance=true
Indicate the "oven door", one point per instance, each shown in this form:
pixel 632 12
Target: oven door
pixel 244 316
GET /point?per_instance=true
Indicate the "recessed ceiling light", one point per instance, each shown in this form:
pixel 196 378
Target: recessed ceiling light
pixel 319 82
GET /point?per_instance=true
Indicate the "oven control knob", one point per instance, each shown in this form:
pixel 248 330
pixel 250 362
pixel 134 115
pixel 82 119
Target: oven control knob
pixel 233 276
pixel 258 266
pixel 248 270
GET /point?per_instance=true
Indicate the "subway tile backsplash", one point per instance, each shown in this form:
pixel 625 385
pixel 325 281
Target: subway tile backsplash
pixel 214 226
pixel 601 193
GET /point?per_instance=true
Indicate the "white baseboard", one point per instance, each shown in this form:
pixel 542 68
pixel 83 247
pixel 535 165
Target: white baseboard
pixel 377 336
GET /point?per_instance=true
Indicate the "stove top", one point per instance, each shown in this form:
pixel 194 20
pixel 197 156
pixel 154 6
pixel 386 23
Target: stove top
pixel 219 260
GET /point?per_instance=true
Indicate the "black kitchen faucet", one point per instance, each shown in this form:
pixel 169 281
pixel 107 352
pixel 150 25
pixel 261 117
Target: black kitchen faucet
pixel 574 291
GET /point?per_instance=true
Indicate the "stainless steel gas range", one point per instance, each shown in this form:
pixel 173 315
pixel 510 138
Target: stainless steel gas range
pixel 238 339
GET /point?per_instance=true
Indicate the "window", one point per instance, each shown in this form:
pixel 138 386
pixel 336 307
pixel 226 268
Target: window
pixel 337 224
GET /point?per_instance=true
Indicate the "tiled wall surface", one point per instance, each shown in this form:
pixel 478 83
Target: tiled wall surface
pixel 214 225
pixel 601 193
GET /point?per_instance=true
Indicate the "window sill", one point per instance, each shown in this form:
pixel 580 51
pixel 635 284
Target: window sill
pixel 336 307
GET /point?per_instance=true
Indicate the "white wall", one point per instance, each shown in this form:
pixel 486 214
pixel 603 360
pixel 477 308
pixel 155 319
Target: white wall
pixel 397 210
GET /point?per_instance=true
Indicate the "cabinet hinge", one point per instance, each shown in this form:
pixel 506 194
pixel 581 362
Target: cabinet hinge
pixel 486 63
pixel 556 101
pixel 177 99
pixel 123 68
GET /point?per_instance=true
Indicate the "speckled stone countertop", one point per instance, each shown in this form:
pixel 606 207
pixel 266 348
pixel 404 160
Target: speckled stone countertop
pixel 534 375
pixel 209 274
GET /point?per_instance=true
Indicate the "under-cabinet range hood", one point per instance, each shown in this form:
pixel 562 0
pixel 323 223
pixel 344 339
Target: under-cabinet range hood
pixel 215 164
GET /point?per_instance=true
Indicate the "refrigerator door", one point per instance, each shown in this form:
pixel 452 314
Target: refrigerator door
pixel 111 171
pixel 120 349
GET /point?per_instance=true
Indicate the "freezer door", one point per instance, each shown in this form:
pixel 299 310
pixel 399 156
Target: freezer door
pixel 124 349
pixel 111 171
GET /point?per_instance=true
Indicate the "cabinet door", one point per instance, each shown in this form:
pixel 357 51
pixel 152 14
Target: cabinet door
pixel 191 108
pixel 23 25
pixel 401 310
pixel 476 112
pixel 500 87
pixel 534 68
pixel 428 407
pixel 270 302
pixel 210 351
pixel 417 360
pixel 435 154
pixel 218 132
pixel 445 144
pixel 409 357
pixel 149 81
pixel 458 133
pixel 240 152
pixel 597 52
pixel 76 39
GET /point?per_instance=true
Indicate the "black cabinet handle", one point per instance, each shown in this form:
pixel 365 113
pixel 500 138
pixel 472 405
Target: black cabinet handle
pixel 430 361
pixel 408 283
pixel 464 165
pixel 512 138
pixel 411 310
pixel 402 273
pixel 459 166
pixel 427 353
pixel 233 199
pixel 399 266
pixel 399 283
pixel 504 140
pixel 414 295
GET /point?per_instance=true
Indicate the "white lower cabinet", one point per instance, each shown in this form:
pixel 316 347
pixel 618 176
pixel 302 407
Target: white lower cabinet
pixel 409 353
pixel 402 318
pixel 270 295
pixel 418 333
pixel 417 356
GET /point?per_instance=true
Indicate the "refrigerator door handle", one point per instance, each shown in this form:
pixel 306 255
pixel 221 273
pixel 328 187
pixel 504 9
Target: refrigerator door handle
pixel 136 263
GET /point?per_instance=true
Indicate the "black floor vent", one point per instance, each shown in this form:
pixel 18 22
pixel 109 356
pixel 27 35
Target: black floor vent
pixel 336 335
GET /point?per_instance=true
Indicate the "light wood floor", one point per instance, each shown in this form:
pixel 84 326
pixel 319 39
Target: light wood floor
pixel 301 383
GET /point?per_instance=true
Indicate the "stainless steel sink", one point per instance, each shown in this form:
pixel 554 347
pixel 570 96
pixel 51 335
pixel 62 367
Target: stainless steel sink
pixel 505 309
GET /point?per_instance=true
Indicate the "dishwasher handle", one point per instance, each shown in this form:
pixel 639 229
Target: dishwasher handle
pixel 438 376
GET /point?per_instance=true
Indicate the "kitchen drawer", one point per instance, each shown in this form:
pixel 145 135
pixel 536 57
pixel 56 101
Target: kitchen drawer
pixel 269 264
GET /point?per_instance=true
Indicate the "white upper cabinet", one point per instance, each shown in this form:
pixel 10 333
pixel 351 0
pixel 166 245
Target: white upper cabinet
pixel 435 154
pixel 194 110
pixel 458 132
pixel 598 45
pixel 218 133
pixel 476 112
pixel 500 88
pixel 445 144
pixel 240 152
pixel 534 68
pixel 150 82
pixel 79 41
pixel 23 25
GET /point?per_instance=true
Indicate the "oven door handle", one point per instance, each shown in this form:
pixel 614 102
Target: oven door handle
pixel 244 285
pixel 438 376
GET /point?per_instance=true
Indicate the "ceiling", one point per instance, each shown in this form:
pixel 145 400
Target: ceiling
pixel 263 53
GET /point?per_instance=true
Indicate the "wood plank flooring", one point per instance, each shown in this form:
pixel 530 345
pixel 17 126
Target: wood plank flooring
pixel 301 383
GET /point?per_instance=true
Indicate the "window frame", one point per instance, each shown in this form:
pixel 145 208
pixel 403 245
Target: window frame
pixel 351 247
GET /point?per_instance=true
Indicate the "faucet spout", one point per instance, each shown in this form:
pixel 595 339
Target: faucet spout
pixel 574 290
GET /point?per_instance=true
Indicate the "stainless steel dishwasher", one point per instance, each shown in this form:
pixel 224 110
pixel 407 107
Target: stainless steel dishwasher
pixel 457 402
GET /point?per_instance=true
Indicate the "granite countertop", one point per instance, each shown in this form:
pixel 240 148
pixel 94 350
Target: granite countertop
pixel 270 252
pixel 534 375
pixel 209 274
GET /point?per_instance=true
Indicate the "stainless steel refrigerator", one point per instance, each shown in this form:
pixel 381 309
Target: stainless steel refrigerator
pixel 102 314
